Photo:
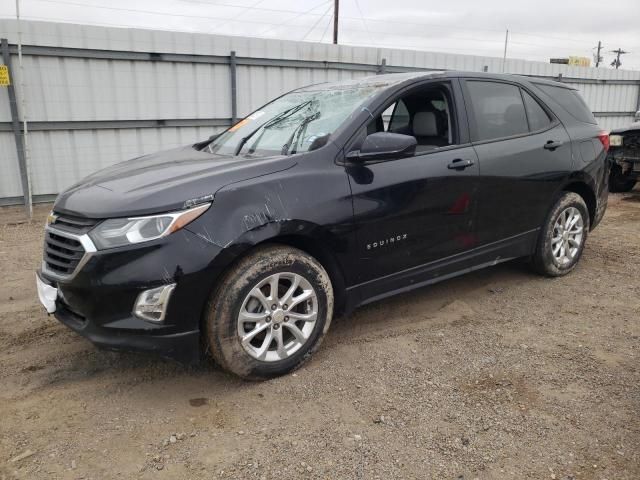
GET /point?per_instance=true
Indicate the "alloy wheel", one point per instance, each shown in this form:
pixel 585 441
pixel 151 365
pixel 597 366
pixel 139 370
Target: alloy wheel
pixel 277 317
pixel 567 237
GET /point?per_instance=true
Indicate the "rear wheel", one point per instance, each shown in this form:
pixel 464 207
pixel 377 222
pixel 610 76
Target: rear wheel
pixel 269 313
pixel 619 182
pixel 562 238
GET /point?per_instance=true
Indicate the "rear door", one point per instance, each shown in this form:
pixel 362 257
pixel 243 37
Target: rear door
pixel 524 154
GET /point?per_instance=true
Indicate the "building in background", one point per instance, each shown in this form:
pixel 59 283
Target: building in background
pixel 99 95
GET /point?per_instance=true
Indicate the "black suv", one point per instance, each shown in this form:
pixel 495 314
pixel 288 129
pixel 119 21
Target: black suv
pixel 331 196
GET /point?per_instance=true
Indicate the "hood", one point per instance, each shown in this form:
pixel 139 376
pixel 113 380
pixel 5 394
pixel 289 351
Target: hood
pixel 633 127
pixel 161 182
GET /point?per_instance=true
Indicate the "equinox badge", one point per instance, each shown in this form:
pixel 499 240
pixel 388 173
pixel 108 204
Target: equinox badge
pixel 386 241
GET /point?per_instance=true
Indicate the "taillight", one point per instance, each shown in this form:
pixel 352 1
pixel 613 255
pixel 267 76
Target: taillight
pixel 604 139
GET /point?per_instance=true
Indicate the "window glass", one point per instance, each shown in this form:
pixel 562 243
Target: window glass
pixel 571 101
pixel 424 114
pixel 439 105
pixel 497 109
pixel 299 121
pixel 538 118
pixel 386 115
pixel 400 117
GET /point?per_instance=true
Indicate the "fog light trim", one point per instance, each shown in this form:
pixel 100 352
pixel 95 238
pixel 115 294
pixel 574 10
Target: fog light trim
pixel 151 305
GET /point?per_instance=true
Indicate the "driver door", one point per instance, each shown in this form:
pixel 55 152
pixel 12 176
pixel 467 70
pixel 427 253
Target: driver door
pixel 414 215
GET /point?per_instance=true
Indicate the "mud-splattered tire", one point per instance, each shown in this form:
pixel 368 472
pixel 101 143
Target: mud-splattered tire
pixel 284 295
pixel 562 238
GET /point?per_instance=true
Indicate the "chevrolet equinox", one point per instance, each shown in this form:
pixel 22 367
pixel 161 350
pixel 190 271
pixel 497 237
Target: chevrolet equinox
pixel 332 196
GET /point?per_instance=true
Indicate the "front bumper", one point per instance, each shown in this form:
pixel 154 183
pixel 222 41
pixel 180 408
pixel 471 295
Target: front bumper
pixel 98 301
pixel 628 160
pixel 182 346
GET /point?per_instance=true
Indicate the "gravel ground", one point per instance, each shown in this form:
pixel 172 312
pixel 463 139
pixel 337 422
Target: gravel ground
pixel 498 374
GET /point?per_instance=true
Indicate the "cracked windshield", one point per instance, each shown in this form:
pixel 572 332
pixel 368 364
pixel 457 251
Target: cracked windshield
pixel 300 121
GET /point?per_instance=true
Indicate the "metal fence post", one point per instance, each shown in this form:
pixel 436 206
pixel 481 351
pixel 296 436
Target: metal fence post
pixel 234 94
pixel 382 67
pixel 15 124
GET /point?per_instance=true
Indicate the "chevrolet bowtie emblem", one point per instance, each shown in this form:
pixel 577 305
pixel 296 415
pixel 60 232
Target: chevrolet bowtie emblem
pixel 52 218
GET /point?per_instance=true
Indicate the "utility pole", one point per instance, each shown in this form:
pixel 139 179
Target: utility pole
pixel 28 198
pixel 617 63
pixel 336 8
pixel 504 57
pixel 598 56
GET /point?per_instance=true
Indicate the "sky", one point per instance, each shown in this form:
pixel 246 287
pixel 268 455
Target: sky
pixel 538 30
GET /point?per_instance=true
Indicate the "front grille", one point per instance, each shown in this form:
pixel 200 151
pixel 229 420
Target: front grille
pixel 63 252
pixel 75 225
pixel 631 147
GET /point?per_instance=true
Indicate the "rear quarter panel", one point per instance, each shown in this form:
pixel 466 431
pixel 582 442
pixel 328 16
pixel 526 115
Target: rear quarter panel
pixel 589 158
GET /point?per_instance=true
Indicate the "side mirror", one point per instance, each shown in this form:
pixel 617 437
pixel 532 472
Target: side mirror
pixel 384 146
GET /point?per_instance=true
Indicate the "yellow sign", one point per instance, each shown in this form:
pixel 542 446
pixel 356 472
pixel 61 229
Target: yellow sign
pixel 580 61
pixel 4 76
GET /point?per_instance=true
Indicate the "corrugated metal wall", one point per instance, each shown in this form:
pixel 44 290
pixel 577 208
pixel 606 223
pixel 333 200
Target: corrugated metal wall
pixel 63 87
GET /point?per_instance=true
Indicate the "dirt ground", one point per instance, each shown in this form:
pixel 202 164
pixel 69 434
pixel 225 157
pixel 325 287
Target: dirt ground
pixel 498 374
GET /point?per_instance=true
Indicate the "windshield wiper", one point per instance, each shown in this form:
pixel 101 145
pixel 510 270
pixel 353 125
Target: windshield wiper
pixel 274 121
pixel 295 135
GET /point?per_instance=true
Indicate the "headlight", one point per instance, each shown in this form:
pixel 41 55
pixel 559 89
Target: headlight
pixel 117 232
pixel 615 140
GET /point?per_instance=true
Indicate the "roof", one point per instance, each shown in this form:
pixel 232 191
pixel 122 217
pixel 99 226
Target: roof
pixel 391 79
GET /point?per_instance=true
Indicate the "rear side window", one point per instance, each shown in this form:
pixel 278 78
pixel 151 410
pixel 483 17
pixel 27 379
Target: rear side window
pixel 498 110
pixel 538 118
pixel 571 101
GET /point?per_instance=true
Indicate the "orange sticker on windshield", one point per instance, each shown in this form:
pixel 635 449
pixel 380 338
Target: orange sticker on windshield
pixel 239 124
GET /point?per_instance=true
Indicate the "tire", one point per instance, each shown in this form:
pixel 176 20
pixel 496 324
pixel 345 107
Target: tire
pixel 620 183
pixel 245 293
pixel 548 258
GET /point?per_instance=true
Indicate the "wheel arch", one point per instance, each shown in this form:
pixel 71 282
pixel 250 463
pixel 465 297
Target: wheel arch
pixel 588 195
pixel 322 254
pixel 310 238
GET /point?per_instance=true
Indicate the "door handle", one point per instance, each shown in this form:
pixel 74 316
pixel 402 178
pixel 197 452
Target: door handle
pixel 552 145
pixel 460 164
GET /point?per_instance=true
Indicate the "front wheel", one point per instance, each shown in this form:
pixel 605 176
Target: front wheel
pixel 269 313
pixel 562 238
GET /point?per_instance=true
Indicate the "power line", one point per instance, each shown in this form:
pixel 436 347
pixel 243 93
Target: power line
pixel 564 39
pixel 300 14
pixel 230 5
pixel 151 12
pixel 250 7
pixel 128 25
pixel 316 24
pixel 364 23
pixel 326 29
pixel 309 12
